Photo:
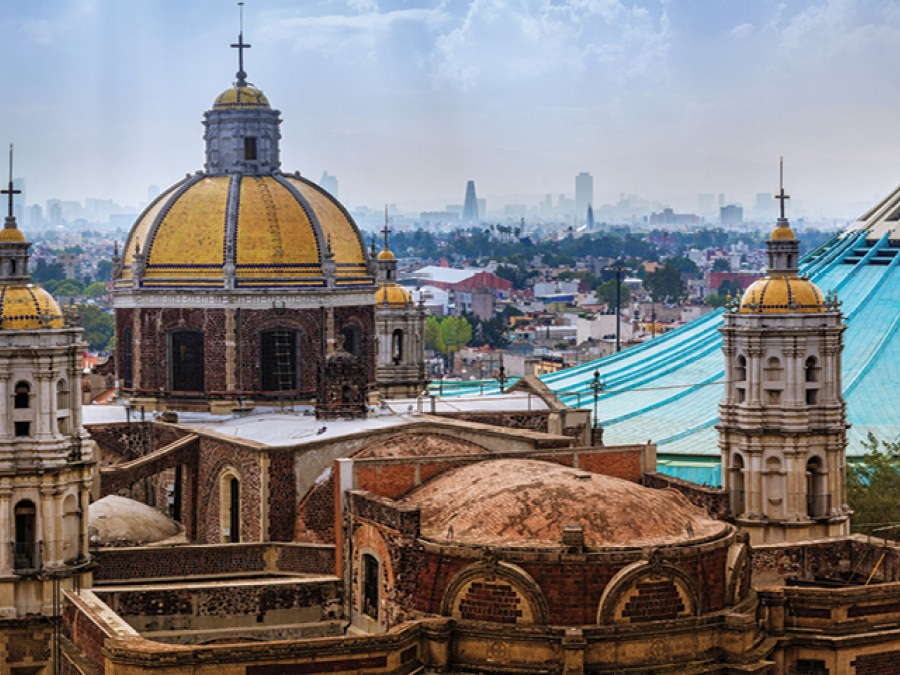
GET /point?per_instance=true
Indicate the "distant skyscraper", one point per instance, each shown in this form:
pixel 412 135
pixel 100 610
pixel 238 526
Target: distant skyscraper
pixel 329 183
pixel 470 206
pixel 731 215
pixel 584 195
pixel 590 217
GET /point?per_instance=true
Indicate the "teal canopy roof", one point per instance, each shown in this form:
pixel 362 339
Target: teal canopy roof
pixel 667 390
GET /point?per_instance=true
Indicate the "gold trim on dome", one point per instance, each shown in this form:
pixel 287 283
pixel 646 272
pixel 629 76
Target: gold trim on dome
pixel 241 97
pixel 28 307
pixel 12 234
pixel 392 295
pixel 191 234
pixel 782 294
pixel 337 228
pixel 274 234
pixel 141 229
pixel 782 233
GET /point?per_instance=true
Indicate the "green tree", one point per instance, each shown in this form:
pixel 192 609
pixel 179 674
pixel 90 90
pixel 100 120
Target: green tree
pixel 665 282
pixel 685 265
pixel 44 271
pixel 606 292
pixel 721 265
pixel 98 327
pixel 456 332
pixel 104 270
pixel 873 486
pixel 433 339
pixel 65 287
pixel 729 286
pixel 95 290
pixel 715 300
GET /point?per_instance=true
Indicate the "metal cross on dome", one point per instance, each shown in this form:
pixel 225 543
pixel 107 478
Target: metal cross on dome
pixel 781 196
pixel 241 46
pixel 10 190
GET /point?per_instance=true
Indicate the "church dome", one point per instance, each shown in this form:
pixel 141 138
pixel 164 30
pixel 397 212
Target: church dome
pixel 774 295
pixel 11 234
pixel 28 307
pixel 492 503
pixel 386 255
pixel 392 295
pixel 782 232
pixel 246 96
pixel 266 231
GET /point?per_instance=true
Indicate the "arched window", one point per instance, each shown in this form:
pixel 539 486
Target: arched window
pixel 816 497
pixel 397 347
pixel 26 549
pixel 280 359
pixel 812 369
pixel 772 371
pixel 62 395
pixel 737 485
pixel 230 507
pixel 370 585
pixel 23 395
pixel 186 360
pixel 740 369
pixel 352 335
pixel 127 356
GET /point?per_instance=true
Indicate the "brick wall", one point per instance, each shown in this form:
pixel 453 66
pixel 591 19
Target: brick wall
pixel 315 514
pixel 282 496
pixel 713 500
pixel 215 456
pixel 116 564
pixel 877 664
pixel 848 558
pixel 495 602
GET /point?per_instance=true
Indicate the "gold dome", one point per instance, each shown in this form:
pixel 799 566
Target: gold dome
pixel 393 295
pixel 276 233
pixel 776 295
pixel 782 232
pixel 241 97
pixel 386 255
pixel 11 234
pixel 28 307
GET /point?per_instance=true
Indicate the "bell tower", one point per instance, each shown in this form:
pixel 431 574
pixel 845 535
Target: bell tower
pixel 46 457
pixel 782 422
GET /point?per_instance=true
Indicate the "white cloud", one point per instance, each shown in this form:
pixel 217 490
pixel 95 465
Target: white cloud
pixel 742 30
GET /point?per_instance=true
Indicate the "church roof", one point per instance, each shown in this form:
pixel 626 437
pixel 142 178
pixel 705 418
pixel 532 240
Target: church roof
pixel 28 307
pixel 246 96
pixel 782 294
pixel 278 230
pixel 527 503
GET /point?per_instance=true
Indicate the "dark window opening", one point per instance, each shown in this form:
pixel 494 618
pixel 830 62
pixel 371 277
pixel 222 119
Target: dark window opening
pixel 352 335
pixel 23 428
pixel 186 358
pixel 22 395
pixel 250 148
pixel 127 367
pixel 280 360
pixel 812 369
pixel 397 346
pixel 812 396
pixel 26 554
pixel 370 585
pixel 740 369
pixel 12 266
pixel 234 519
pixel 817 503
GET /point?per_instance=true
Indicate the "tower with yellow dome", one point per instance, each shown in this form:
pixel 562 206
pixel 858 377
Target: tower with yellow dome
pixel 400 323
pixel 782 422
pixel 46 457
pixel 238 281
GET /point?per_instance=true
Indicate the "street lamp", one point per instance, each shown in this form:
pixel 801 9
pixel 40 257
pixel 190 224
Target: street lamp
pixel 618 269
pixel 596 387
pixel 501 378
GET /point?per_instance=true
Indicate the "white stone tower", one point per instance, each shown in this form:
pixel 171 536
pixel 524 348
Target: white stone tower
pixel 46 457
pixel 782 423
pixel 400 324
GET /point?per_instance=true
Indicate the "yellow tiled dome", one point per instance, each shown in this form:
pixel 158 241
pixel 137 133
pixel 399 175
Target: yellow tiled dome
pixel 241 97
pixel 275 234
pixel 782 232
pixel 386 255
pixel 393 295
pixel 775 295
pixel 28 307
pixel 11 234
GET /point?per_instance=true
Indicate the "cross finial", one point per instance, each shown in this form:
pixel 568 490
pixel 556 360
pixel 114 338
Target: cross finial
pixel 241 46
pixel 781 196
pixel 10 191
pixel 386 231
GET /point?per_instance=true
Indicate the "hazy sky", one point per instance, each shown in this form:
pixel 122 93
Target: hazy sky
pixel 405 100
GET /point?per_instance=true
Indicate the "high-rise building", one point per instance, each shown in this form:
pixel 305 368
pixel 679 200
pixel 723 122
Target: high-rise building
pixel 329 183
pixel 584 195
pixel 731 215
pixel 470 206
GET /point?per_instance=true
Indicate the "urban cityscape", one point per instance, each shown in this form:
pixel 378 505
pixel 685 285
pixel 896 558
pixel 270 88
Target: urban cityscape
pixel 563 406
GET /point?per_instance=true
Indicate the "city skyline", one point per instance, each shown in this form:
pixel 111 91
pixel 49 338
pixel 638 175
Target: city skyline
pixel 406 101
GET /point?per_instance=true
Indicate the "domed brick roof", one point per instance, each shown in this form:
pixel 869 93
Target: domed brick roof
pixel 523 503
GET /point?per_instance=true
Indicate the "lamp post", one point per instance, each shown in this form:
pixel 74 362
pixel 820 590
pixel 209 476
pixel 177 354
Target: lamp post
pixel 501 377
pixel 618 269
pixel 596 387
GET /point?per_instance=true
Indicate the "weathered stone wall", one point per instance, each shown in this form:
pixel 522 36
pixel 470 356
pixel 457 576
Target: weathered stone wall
pixel 850 558
pixel 178 562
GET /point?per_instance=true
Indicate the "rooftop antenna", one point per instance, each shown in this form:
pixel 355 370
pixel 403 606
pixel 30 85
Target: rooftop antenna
pixel 241 46
pixel 9 190
pixel 781 196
